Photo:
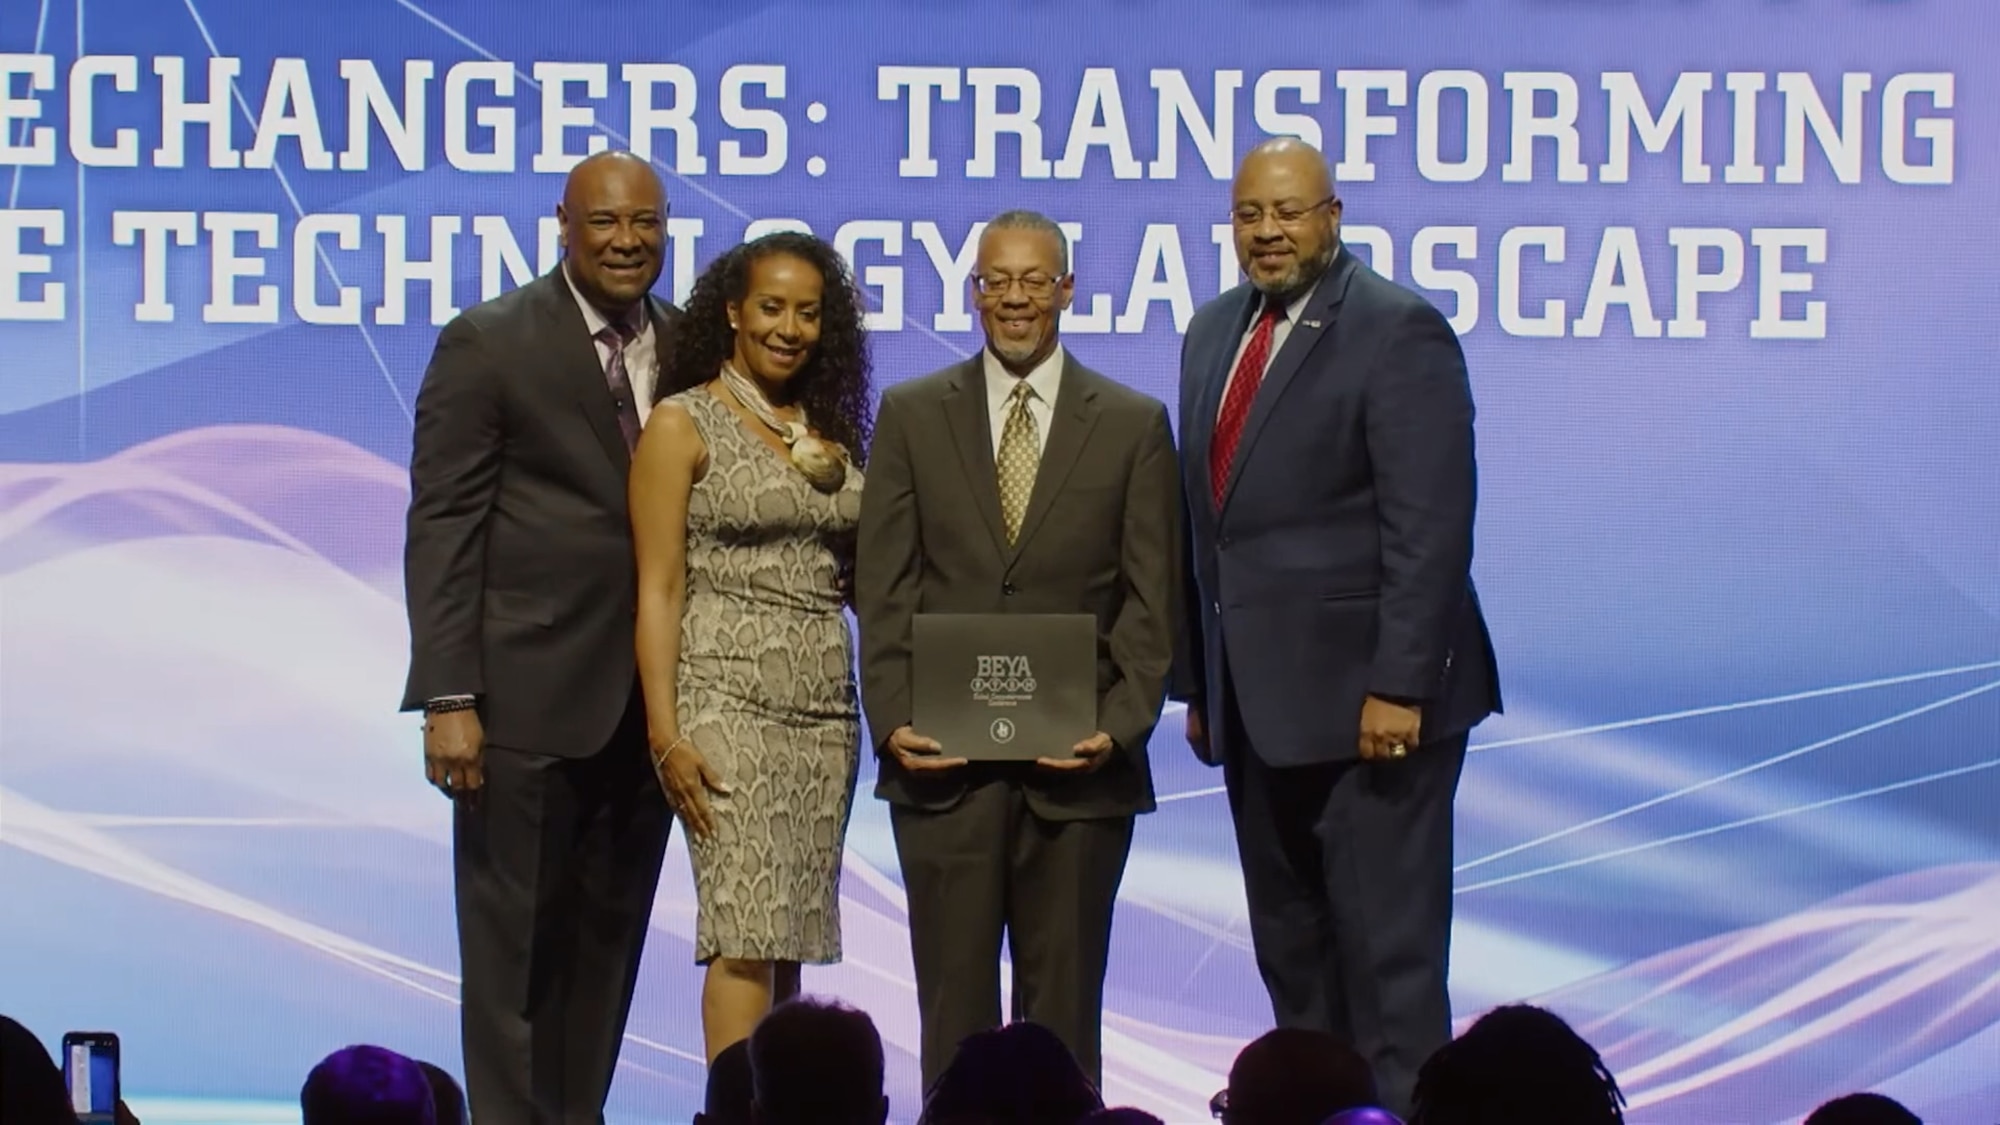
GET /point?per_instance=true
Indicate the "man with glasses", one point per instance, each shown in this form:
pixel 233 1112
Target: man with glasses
pixel 1018 481
pixel 1336 656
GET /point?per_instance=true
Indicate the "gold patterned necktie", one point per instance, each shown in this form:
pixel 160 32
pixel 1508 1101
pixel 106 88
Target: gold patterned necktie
pixel 1020 455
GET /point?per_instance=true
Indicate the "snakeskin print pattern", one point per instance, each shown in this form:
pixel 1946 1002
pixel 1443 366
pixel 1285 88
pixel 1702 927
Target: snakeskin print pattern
pixel 767 694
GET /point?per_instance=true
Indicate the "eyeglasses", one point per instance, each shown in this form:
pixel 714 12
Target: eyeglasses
pixel 1038 286
pixel 1287 215
pixel 1218 1106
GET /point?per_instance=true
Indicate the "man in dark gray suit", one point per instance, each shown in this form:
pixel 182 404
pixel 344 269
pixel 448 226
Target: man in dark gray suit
pixel 1337 656
pixel 1018 481
pixel 521 588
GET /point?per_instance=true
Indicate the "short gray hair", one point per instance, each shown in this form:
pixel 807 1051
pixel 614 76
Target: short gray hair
pixel 1033 220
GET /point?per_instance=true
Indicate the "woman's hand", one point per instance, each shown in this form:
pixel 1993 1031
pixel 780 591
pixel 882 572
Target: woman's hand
pixel 687 779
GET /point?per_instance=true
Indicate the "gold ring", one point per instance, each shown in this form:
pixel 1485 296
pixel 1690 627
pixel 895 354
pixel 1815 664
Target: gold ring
pixel 1398 750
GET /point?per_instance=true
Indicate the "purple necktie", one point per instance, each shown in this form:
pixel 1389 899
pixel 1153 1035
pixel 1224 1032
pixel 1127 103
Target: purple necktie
pixel 616 337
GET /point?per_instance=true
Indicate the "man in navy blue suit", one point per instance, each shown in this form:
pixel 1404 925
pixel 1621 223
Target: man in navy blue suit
pixel 1335 656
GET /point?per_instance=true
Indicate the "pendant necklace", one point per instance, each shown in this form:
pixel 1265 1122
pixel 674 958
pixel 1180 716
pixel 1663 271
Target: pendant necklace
pixel 815 460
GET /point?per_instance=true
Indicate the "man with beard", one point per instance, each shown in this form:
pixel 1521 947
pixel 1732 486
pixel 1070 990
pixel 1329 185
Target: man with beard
pixel 1336 656
pixel 1018 481
pixel 521 588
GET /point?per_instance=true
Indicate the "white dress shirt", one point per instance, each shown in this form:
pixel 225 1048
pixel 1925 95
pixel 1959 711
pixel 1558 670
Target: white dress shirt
pixel 640 365
pixel 1280 332
pixel 1046 379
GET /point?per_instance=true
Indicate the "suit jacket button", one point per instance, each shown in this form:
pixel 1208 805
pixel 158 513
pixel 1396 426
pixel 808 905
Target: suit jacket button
pixel 1009 589
pixel 1223 542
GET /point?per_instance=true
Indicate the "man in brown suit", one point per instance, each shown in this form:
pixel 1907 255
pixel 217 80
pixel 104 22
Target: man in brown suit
pixel 1018 481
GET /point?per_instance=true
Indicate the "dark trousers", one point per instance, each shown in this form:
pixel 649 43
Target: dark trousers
pixel 557 860
pixel 987 867
pixel 1347 869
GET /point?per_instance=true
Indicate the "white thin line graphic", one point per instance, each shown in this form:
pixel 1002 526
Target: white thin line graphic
pixel 82 287
pixel 621 139
pixel 1707 783
pixel 78 841
pixel 1691 713
pixel 41 35
pixel 126 820
pixel 298 209
pixel 1724 708
pixel 665 1049
pixel 1211 791
pixel 1746 822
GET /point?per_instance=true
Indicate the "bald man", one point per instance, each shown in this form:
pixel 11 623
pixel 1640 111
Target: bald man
pixel 1335 656
pixel 518 576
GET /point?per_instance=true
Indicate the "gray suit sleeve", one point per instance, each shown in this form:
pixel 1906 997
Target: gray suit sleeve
pixel 1142 638
pixel 454 476
pixel 887 565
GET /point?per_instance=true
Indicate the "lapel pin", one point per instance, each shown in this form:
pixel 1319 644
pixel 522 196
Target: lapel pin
pixel 1310 323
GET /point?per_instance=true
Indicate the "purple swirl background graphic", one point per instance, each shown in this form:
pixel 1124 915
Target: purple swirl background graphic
pixel 1737 823
pixel 249 800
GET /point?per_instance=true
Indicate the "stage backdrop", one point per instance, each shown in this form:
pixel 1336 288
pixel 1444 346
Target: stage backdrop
pixel 1724 274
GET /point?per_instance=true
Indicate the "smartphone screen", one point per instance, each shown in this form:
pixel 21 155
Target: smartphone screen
pixel 90 1070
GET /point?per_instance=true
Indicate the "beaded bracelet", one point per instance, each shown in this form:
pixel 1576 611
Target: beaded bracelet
pixel 446 706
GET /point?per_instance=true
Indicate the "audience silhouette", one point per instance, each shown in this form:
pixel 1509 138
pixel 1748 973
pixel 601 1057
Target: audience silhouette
pixel 819 1062
pixel 1366 1115
pixel 1293 1076
pixel 1517 1063
pixel 1020 1074
pixel 364 1085
pixel 1863 1109
pixel 816 1062
pixel 31 1084
pixel 447 1096
pixel 726 1101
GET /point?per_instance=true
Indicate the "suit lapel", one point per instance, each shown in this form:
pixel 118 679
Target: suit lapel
pixel 1074 416
pixel 965 416
pixel 1314 324
pixel 574 354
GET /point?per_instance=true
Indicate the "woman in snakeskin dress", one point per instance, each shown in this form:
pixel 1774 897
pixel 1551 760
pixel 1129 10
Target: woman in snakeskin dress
pixel 746 486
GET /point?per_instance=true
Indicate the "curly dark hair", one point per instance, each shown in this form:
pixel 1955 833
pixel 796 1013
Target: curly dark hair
pixel 1517 1063
pixel 834 386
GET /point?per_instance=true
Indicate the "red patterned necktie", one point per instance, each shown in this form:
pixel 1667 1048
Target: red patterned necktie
pixel 616 337
pixel 1236 401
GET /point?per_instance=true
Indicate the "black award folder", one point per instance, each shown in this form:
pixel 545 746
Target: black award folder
pixel 1004 686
